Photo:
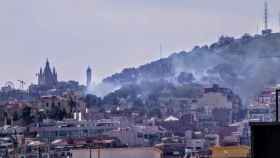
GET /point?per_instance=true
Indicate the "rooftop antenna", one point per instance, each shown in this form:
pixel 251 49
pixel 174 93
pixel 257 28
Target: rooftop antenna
pixel 265 15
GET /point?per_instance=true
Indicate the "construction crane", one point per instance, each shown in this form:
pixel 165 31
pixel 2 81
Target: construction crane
pixel 21 83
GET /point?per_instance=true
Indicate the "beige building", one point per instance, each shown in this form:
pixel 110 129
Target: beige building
pixel 230 152
pixel 64 102
pixel 117 153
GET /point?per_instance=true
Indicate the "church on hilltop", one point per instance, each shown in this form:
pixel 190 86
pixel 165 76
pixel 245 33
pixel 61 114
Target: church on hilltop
pixel 48 84
pixel 47 77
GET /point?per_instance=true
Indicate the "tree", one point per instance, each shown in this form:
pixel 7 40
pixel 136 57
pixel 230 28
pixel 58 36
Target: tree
pixel 155 112
pixel 72 105
pixel 26 115
pixel 15 116
pixel 111 99
pixel 92 100
pixel 40 116
pixel 57 113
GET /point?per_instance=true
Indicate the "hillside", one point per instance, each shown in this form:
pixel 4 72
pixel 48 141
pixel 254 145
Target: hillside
pixel 245 64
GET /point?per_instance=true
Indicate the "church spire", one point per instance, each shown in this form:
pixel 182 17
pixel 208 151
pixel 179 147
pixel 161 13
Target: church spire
pixel 47 67
pixel 54 72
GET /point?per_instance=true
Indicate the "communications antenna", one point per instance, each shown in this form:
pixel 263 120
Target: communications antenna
pixel 265 15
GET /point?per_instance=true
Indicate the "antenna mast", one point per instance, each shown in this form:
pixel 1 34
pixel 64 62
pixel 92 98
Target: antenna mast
pixel 265 15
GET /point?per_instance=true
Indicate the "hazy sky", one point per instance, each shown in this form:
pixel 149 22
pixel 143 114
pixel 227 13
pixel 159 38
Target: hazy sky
pixel 110 35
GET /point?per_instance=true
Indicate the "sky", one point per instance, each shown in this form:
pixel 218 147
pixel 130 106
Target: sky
pixel 109 35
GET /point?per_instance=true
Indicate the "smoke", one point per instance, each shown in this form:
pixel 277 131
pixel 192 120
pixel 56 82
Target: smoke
pixel 102 89
pixel 198 63
pixel 246 65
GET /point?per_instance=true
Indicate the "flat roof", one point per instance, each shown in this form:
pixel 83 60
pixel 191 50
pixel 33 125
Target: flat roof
pixel 264 123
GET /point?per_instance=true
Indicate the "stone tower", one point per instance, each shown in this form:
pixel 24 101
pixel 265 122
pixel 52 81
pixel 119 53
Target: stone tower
pixel 89 77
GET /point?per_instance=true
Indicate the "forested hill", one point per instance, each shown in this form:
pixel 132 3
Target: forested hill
pixel 245 64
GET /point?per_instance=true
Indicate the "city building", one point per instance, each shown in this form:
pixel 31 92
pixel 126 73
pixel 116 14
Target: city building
pixel 118 153
pixel 266 97
pixel 73 129
pixel 260 113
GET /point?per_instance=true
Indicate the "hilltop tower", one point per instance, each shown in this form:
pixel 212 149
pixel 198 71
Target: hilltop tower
pixel 89 77
pixel 265 15
pixel 266 30
pixel 47 77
